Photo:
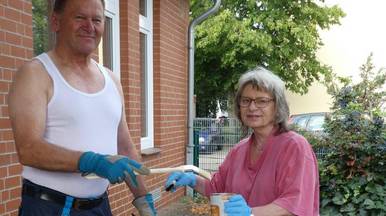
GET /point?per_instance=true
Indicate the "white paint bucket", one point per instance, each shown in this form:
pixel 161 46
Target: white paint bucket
pixel 217 201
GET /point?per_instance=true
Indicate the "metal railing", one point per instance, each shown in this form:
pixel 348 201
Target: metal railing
pixel 213 138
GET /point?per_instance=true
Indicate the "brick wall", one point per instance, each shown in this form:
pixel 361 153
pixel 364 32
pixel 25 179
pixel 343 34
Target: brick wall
pixel 170 92
pixel 170 26
pixel 171 20
pixel 15 49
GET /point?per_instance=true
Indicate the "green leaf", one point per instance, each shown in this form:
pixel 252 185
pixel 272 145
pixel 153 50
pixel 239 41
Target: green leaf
pixel 369 204
pixel 325 201
pixel 339 199
pixel 348 208
pixel 362 212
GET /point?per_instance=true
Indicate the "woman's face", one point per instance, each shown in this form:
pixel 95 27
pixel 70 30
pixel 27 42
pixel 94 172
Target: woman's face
pixel 257 108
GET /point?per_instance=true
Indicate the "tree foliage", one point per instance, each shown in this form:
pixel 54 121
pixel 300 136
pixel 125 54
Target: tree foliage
pixel 280 35
pixel 40 26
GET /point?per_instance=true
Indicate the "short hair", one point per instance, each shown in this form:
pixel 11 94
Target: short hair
pixel 267 81
pixel 61 4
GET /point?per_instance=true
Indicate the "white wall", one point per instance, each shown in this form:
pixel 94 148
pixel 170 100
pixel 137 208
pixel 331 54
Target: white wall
pixel 346 48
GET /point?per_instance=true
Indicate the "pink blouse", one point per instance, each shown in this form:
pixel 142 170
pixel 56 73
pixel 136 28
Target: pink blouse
pixel 286 174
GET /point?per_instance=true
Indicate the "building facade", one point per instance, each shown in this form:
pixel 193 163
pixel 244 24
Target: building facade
pixel 145 43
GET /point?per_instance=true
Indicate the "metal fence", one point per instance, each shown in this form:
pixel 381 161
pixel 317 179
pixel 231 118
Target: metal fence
pixel 213 138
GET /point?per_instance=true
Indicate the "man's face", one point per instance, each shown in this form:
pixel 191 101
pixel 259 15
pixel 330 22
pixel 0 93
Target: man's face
pixel 80 26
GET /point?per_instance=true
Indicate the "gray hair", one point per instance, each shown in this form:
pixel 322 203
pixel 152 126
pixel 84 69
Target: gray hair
pixel 267 81
pixel 59 5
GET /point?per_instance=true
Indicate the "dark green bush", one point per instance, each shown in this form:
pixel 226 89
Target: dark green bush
pixel 352 175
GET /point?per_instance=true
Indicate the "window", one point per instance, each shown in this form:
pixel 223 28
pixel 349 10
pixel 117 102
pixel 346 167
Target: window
pixel 107 44
pixel 144 87
pixel 316 123
pixel 109 50
pixel 302 121
pixel 143 7
pixel 146 55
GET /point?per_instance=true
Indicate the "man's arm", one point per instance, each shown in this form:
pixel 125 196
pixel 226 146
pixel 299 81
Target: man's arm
pixel 126 146
pixel 28 99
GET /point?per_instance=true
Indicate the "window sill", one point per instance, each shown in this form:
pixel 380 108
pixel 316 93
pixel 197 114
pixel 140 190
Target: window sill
pixel 150 151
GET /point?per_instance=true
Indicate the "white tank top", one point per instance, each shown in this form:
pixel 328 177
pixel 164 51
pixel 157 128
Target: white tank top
pixel 78 121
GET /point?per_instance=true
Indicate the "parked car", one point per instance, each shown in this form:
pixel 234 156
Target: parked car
pixel 310 122
pixel 209 140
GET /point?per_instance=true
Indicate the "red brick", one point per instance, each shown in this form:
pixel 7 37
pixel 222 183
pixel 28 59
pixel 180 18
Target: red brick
pixel 12 205
pixel 2 10
pixel 10 148
pixel 13 39
pixel 14 193
pixel 4 123
pixel 8 25
pixel 14 158
pixel 28 31
pixel 12 14
pixel 26 19
pixel 7 62
pixel 4 111
pixel 27 7
pixel 7 75
pixel 29 53
pixel 5 196
pixel 16 4
pixel 12 182
pixel 20 28
pixel 17 51
pixel 27 42
pixel 5 159
pixel 6 135
pixel 2 209
pixel 15 169
pixel 2 185
pixel 3 172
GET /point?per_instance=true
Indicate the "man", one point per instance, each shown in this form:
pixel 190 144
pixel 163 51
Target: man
pixel 68 118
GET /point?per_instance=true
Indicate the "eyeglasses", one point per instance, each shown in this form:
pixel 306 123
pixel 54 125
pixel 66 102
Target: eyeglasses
pixel 260 102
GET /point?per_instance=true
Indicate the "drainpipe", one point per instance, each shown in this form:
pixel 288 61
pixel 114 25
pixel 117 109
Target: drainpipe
pixel 196 21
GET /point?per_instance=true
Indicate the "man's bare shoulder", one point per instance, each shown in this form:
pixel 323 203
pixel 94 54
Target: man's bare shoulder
pixel 31 77
pixel 31 67
pixel 33 70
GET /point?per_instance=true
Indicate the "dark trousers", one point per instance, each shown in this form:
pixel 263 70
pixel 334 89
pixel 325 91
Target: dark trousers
pixel 42 201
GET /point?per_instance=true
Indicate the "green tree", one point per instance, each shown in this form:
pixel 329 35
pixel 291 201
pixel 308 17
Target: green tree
pixel 40 26
pixel 278 34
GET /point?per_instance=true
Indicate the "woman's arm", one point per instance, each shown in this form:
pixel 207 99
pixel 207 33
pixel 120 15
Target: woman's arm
pixel 200 184
pixel 270 210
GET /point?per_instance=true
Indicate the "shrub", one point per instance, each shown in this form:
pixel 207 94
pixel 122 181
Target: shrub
pixel 352 175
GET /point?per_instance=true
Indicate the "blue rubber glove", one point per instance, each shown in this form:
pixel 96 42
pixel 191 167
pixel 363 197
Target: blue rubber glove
pixel 237 206
pixel 178 179
pixel 115 168
pixel 145 205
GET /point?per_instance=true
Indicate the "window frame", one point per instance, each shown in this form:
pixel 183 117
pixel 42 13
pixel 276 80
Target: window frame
pixel 112 11
pixel 146 28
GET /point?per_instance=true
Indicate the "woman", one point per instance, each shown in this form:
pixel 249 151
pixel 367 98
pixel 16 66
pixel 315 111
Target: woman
pixel 274 171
